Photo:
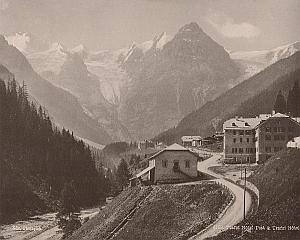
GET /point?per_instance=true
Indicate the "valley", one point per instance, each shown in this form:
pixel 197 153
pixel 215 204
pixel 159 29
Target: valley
pixel 108 83
pixel 149 120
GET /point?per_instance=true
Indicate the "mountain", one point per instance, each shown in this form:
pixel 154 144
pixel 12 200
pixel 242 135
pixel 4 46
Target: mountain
pixel 62 106
pixel 138 92
pixel 249 98
pixel 77 71
pixel 172 78
pixel 252 62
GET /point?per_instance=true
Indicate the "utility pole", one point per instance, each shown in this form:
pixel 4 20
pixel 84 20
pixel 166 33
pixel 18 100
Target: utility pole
pixel 245 193
pixel 241 168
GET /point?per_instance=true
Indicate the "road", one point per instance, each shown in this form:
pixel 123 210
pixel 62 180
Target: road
pixel 234 214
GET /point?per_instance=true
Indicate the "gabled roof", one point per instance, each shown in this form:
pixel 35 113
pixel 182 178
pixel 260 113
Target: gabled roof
pixel 242 123
pixel 173 147
pixel 278 115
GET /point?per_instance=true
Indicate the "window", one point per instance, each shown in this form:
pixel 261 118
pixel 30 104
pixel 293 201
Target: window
pixel 241 132
pixel 282 137
pixel 241 150
pixel 268 137
pixel 165 163
pixel 241 140
pixel 276 137
pixel 234 140
pixel 248 132
pixel 248 140
pixel 268 129
pixel 187 164
pixel 232 150
pixel 268 149
pixel 234 132
pixel 275 129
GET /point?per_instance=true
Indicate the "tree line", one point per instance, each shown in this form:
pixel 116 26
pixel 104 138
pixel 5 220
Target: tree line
pixel 291 105
pixel 42 155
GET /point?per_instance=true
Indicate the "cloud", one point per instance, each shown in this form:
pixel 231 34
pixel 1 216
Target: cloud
pixel 228 28
pixel 19 40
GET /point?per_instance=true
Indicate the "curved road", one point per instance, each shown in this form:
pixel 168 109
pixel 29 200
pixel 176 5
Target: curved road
pixel 234 214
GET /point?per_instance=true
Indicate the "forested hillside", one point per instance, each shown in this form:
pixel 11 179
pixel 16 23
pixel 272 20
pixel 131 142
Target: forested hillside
pixel 37 159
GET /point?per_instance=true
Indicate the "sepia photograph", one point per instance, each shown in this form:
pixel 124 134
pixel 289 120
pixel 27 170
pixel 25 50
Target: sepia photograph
pixel 150 119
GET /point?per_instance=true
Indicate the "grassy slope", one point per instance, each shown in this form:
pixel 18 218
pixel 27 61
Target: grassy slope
pixel 170 212
pixel 278 181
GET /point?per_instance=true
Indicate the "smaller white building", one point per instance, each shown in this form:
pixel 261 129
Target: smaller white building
pixel 191 141
pixel 294 143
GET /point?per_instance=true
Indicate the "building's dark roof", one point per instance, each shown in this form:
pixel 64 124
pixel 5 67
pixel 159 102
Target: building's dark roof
pixel 173 147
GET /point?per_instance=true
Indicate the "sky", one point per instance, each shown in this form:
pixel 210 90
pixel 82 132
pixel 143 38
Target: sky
pixel 112 24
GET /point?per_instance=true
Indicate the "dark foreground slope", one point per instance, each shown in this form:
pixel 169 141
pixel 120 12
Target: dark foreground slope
pixel 278 182
pixel 167 212
pixel 253 96
pixel 36 159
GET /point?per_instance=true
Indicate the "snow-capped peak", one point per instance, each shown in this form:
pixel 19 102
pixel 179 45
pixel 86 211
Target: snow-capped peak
pixel 267 56
pixel 191 27
pixel 157 43
pixel 57 47
pixel 255 61
pixel 130 51
pixel 79 49
pixel 161 40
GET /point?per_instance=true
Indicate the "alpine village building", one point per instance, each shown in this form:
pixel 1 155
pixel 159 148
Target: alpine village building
pixel 172 164
pixel 249 140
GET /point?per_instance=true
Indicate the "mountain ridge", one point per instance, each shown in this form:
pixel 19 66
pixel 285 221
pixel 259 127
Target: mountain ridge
pixel 62 106
pixel 209 118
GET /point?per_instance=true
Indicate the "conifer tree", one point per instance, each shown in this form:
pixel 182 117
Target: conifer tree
pixel 293 101
pixel 68 216
pixel 123 174
pixel 280 103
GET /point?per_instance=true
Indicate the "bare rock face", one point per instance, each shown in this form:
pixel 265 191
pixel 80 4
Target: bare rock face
pixel 173 80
